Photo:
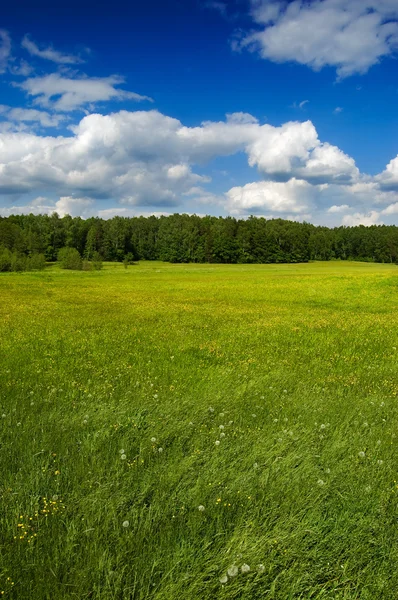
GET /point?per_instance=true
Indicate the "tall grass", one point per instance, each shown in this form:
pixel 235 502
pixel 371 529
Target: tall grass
pixel 163 426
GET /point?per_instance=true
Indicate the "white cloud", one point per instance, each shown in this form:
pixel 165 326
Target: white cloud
pixel 21 69
pixel 49 53
pixel 76 207
pixel 241 118
pixel 44 118
pixel 371 218
pixel 146 159
pixel 392 209
pixel 329 162
pixel 338 110
pixel 389 177
pixel 67 94
pixel 5 49
pixel 294 196
pixel 350 35
pixel 338 208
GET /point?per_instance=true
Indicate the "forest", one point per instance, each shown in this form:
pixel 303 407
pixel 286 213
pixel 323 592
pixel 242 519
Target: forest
pixel 182 238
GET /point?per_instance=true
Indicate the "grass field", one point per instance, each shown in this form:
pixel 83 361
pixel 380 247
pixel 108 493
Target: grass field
pixel 164 428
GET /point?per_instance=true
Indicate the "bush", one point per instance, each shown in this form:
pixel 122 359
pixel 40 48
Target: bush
pixel 87 265
pixel 13 261
pixel 69 258
pixel 36 262
pixel 97 261
pixel 5 259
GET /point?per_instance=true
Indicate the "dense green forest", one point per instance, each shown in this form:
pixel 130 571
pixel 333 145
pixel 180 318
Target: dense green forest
pixel 188 238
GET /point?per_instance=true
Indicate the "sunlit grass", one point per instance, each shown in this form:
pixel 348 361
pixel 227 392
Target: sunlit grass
pixel 199 432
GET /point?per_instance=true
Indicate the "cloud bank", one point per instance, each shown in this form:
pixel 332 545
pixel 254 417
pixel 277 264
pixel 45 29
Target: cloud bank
pixel 147 160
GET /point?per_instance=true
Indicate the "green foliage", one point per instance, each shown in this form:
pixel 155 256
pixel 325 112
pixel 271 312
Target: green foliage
pixel 36 262
pixel 115 388
pixel 15 261
pixel 96 261
pixel 69 258
pixel 182 238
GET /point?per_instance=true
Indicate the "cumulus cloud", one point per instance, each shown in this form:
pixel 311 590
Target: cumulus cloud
pixel 350 35
pixel 66 94
pixel 76 207
pixel 294 196
pixel 49 53
pixel 5 49
pixel 389 177
pixel 147 159
pixel 342 208
pixel 371 218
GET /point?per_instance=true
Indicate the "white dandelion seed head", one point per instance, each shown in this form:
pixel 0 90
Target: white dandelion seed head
pixel 380 462
pixel 155 396
pixel 160 450
pixel 123 456
pixel 222 435
pixel 361 454
pixel 260 568
pixel 221 415
pixel 122 451
pixel 18 424
pixel 125 524
pixel 382 404
pixel 255 465
pixel 211 409
pixel 245 568
pixel 233 571
pixel 224 579
pixel 201 508
pixel 327 471
pixel 221 427
pixel 217 442
pixel 323 426
pixel 153 440
pixel 320 482
pixel 85 422
pixel 254 415
pixel 275 420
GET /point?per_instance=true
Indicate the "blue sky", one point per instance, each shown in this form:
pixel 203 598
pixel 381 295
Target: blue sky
pixel 265 107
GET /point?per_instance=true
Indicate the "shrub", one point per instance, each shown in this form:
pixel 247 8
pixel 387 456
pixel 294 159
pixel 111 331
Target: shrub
pixel 97 261
pixel 69 258
pixel 5 259
pixel 36 262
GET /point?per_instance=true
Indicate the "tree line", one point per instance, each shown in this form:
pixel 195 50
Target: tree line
pixel 182 238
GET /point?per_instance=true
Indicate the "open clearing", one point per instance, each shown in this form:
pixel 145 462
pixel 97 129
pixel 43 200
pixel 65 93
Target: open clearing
pixel 115 389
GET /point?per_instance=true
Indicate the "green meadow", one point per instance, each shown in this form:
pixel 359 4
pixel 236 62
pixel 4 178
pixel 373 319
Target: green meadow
pixel 199 432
